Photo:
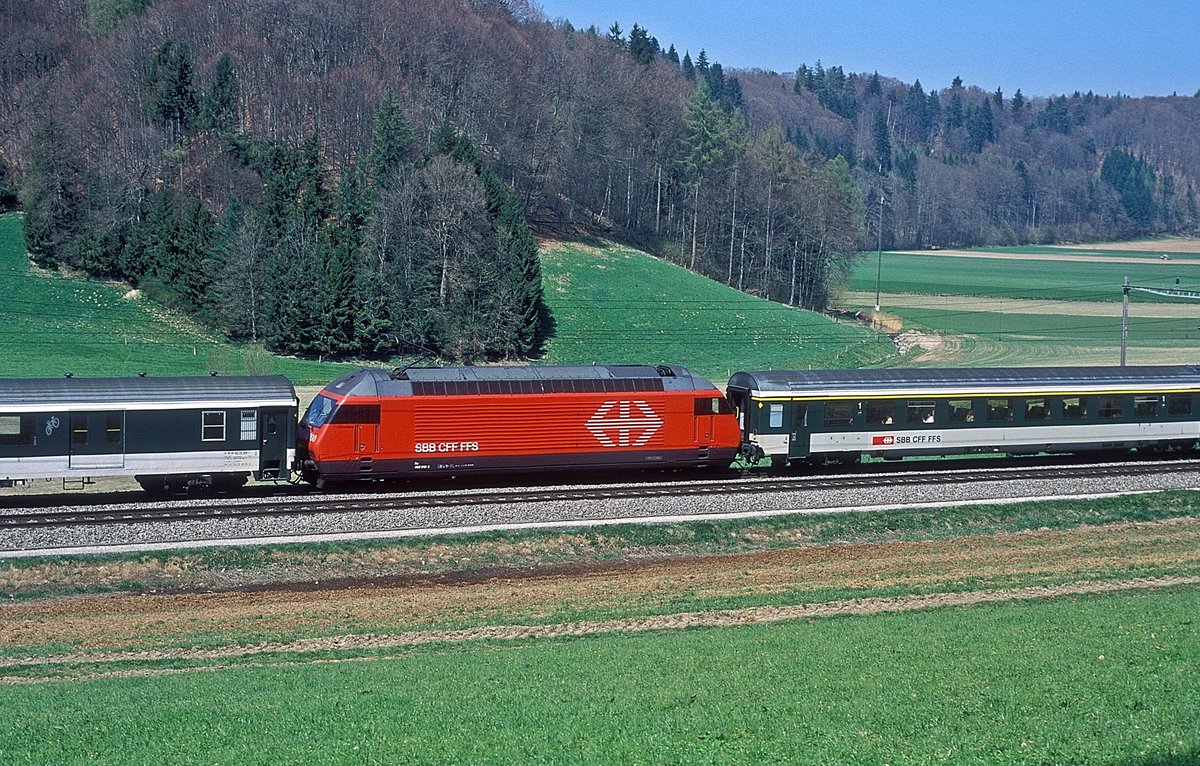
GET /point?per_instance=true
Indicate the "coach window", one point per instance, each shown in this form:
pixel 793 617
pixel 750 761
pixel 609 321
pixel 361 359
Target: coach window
pixel 960 410
pixel 213 428
pixel 16 431
pixel 1145 406
pixel 1035 409
pixel 776 420
pixel 79 428
pixel 1074 408
pixel 1110 407
pixel 919 411
pixel 112 428
pixel 1179 405
pixel 999 409
pixel 839 413
pixel 880 413
pixel 249 425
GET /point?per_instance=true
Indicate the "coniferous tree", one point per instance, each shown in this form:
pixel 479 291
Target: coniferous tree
pixel 391 141
pixel 221 99
pixel 51 196
pixel 689 70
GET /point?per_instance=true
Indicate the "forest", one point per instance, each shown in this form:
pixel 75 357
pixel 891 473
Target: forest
pixel 349 179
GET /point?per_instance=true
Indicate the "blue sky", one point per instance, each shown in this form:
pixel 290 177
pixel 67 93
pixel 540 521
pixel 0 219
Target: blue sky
pixel 1044 48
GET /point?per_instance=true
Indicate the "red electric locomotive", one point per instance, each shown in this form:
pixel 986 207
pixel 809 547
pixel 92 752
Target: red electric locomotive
pixel 370 424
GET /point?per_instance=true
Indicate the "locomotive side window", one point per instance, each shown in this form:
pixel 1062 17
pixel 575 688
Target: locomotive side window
pixel 961 410
pixel 839 413
pixel 212 426
pixel 1145 406
pixel 776 416
pixel 1110 407
pixel 999 409
pixel 712 406
pixel 879 413
pixel 248 422
pixel 16 431
pixel 1179 405
pixel 1035 409
pixel 919 411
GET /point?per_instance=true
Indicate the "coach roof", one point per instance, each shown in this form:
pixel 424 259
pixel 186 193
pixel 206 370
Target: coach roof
pixel 1013 380
pixel 93 393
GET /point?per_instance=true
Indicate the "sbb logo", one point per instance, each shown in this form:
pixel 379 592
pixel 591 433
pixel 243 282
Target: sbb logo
pixel 884 440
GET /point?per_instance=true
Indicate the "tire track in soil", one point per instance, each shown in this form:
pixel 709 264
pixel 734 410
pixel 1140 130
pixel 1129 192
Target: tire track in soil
pixel 678 621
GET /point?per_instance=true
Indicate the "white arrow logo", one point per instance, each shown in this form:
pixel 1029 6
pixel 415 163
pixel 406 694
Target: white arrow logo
pixel 619 430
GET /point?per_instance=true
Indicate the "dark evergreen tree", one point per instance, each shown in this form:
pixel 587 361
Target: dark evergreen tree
pixel 175 104
pixel 673 55
pixel 1134 181
pixel 8 189
pixel 52 196
pixel 391 141
pixel 614 35
pixel 1018 105
pixel 221 99
pixel 883 142
pixel 689 71
pixel 641 47
pixel 980 127
pixel 702 63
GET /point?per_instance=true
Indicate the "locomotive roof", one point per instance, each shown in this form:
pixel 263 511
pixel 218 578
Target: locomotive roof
pixel 1012 380
pixel 517 379
pixel 151 393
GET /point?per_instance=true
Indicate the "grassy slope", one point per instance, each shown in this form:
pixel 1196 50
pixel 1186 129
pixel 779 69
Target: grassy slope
pixel 53 324
pixel 620 305
pixel 611 305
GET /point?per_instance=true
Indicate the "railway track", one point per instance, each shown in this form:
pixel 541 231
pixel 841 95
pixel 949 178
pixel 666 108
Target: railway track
pixel 311 504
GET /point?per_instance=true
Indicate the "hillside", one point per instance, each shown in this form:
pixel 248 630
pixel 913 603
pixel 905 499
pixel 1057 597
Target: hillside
pixel 384 159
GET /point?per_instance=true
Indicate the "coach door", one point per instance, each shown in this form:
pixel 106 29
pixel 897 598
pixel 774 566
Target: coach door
pixel 273 436
pixel 97 440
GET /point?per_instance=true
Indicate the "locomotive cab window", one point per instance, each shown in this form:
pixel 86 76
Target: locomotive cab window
pixel 212 426
pixel 319 412
pixel 919 411
pixel 879 413
pixel 839 413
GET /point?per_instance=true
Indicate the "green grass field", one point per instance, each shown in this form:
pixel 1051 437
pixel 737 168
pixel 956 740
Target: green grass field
pixel 620 305
pixel 611 305
pixel 1089 680
pixel 53 324
pixel 1011 278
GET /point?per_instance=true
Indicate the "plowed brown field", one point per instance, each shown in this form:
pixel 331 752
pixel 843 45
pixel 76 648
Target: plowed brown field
pixel 806 582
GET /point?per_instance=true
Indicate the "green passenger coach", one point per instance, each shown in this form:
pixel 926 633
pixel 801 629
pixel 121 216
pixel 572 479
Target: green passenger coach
pixel 837 416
